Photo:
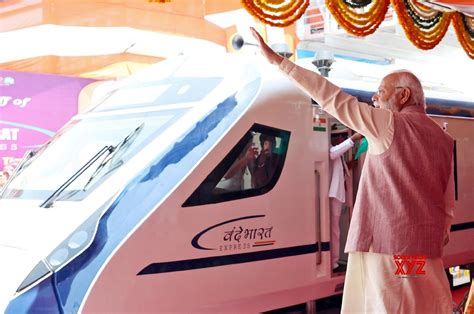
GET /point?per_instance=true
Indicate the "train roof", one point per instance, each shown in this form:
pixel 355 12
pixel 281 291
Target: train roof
pixel 189 81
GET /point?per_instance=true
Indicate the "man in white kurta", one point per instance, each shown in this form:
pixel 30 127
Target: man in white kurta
pixel 337 192
pixel 372 285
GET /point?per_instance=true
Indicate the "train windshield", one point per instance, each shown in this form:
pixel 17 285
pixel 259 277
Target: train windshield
pixel 86 151
pixel 75 147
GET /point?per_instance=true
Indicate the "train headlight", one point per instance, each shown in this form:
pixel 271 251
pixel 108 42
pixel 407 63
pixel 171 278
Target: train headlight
pixel 77 239
pixel 58 257
pixel 74 245
pixel 70 248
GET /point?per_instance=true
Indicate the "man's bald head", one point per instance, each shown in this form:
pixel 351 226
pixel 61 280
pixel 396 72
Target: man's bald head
pixel 398 90
pixel 408 79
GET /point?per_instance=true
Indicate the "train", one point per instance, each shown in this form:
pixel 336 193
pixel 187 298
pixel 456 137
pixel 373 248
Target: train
pixel 131 206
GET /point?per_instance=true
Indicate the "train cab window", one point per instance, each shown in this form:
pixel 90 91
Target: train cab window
pixel 251 168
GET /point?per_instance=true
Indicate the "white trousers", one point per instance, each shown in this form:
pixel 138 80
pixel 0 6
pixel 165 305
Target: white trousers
pixel 372 286
pixel 336 208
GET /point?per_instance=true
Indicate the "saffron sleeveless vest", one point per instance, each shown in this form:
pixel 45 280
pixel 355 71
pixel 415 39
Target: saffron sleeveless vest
pixel 400 207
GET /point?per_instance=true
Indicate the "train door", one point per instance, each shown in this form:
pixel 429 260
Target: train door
pixel 331 225
pixel 340 193
pixel 335 198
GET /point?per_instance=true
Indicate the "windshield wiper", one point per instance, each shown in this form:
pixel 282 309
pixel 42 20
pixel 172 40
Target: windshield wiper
pixel 24 163
pixel 21 166
pixel 50 200
pixel 111 152
pixel 122 146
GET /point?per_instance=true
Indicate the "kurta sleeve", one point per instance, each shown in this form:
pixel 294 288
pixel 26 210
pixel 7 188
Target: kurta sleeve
pixel 374 123
pixel 338 150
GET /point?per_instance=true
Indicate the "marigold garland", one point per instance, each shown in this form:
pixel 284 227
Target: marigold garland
pixel 424 32
pixel 424 10
pixel 423 26
pixel 263 6
pixel 284 16
pixel 356 22
pixel 278 13
pixel 357 3
pixel 275 2
pixel 464 29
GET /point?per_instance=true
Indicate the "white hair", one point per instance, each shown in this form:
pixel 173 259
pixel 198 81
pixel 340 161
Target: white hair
pixel 408 79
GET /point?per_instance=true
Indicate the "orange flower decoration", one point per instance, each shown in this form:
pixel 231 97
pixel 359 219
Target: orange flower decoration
pixel 464 28
pixel 278 13
pixel 356 22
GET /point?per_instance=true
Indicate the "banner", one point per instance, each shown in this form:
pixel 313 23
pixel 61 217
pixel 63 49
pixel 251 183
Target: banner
pixel 32 108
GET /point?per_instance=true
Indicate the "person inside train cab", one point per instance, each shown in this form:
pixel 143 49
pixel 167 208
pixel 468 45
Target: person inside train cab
pixel 263 167
pixel 233 179
pixel 405 201
pixel 337 187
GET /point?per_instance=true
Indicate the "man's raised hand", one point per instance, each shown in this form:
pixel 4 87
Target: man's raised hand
pixel 266 51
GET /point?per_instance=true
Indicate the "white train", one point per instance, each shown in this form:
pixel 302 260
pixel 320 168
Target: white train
pixel 132 206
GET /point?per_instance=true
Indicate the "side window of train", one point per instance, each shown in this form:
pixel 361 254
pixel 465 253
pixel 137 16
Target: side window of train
pixel 251 168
